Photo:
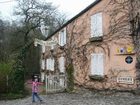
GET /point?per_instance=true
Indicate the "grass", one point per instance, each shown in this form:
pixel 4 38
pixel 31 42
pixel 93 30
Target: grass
pixel 11 96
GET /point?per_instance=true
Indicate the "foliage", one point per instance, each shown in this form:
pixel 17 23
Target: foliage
pixel 10 96
pixel 70 77
pixel 17 76
pixel 5 68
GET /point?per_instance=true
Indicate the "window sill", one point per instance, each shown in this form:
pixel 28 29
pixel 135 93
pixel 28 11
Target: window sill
pixel 97 77
pixel 61 47
pixel 96 39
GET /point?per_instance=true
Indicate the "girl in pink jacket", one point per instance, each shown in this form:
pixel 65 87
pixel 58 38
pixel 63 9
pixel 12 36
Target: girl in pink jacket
pixel 35 85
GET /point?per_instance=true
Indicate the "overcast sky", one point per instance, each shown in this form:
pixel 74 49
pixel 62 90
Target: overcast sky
pixel 70 7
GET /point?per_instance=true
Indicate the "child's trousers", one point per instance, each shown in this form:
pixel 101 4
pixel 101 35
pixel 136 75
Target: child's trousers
pixel 34 94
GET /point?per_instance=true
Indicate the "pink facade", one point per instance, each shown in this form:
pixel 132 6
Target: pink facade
pixel 102 59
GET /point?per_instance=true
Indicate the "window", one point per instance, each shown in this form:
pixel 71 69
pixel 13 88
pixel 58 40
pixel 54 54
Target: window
pixel 97 66
pixel 43 64
pixel 50 64
pixel 61 64
pixel 62 37
pixel 96 25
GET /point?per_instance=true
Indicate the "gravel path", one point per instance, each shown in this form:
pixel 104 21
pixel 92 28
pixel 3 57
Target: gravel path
pixel 80 98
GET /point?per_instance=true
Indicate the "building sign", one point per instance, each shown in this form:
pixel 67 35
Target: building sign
pixel 45 43
pixel 125 50
pixel 128 59
pixel 125 80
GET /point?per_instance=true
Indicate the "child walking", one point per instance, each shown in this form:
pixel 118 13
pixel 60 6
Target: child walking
pixel 35 85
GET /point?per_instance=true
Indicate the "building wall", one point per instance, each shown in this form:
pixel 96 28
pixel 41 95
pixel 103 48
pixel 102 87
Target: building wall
pixel 79 48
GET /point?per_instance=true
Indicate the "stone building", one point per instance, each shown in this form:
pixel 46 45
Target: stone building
pixel 98 42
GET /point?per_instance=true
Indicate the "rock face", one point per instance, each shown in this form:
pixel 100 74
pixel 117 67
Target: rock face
pixel 100 61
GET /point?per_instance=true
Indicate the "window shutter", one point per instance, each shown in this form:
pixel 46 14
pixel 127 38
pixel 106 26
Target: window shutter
pixel 43 64
pixel 42 76
pixel 52 64
pixel 96 25
pixel 52 46
pixel 97 66
pixel 92 27
pixel 94 64
pixel 43 48
pixel 99 24
pixel 47 63
pixel 64 36
pixel 61 64
pixel 100 64
pixel 60 38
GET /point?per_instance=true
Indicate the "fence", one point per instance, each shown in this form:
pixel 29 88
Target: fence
pixel 55 83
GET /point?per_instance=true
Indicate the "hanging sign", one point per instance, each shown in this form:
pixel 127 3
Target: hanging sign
pixel 45 43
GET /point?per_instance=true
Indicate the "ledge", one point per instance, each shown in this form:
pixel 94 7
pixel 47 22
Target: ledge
pixel 126 53
pixel 96 39
pixel 97 77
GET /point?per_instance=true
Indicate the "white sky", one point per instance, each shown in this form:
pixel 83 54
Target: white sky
pixel 70 7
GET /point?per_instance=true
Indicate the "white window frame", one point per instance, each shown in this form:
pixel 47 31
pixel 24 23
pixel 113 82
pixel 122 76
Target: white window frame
pixel 62 64
pixel 97 25
pixel 62 37
pixel 50 64
pixel 97 64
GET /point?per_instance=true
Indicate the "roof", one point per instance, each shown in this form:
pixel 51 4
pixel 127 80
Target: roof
pixel 75 17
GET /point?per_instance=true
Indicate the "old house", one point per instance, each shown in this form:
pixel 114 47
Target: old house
pixel 98 42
